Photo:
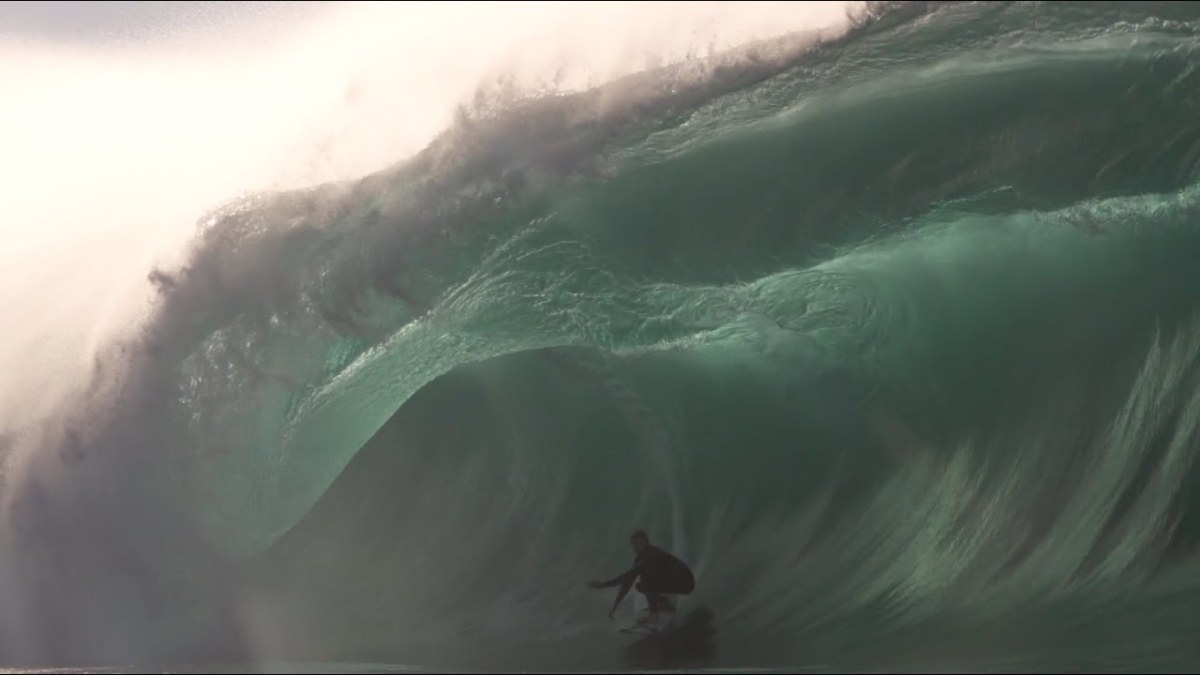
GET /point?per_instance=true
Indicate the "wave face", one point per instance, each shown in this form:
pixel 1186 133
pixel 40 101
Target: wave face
pixel 895 339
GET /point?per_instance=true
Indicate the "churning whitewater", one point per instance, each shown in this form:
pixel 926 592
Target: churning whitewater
pixel 893 337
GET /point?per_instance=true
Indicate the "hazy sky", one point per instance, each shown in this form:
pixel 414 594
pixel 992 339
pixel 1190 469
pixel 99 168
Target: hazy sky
pixel 100 23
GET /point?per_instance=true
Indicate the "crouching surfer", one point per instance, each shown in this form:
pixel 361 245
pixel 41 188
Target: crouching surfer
pixel 658 574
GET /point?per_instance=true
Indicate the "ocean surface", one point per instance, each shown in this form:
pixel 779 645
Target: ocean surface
pixel 894 338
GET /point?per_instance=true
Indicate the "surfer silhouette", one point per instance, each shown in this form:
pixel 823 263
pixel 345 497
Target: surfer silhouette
pixel 660 574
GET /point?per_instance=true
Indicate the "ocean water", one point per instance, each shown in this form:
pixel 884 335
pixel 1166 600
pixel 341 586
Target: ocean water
pixel 895 338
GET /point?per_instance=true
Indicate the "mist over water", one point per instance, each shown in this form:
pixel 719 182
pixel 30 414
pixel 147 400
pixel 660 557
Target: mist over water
pixel 173 109
pixel 372 339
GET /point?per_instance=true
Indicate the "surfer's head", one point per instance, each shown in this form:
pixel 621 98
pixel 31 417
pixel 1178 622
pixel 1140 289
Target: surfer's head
pixel 639 540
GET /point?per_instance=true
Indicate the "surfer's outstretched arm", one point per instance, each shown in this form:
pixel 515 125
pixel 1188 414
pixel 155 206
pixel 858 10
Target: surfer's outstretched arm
pixel 625 580
pixel 626 584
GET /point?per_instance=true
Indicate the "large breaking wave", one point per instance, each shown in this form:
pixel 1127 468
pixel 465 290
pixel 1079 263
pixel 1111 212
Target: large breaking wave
pixel 895 339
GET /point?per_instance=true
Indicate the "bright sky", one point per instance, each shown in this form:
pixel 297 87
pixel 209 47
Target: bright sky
pixel 124 121
pixel 107 23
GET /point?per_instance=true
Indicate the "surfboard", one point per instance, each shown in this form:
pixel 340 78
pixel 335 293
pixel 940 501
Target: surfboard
pixel 643 627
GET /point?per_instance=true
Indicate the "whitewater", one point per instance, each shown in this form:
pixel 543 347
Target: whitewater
pixel 884 317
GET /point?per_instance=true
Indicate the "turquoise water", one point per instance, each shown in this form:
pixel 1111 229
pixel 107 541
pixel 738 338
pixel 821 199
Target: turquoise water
pixel 895 339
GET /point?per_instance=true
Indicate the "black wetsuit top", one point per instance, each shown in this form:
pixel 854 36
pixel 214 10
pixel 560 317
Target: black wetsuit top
pixel 660 572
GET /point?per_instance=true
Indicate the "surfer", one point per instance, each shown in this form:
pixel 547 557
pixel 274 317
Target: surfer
pixel 660 572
